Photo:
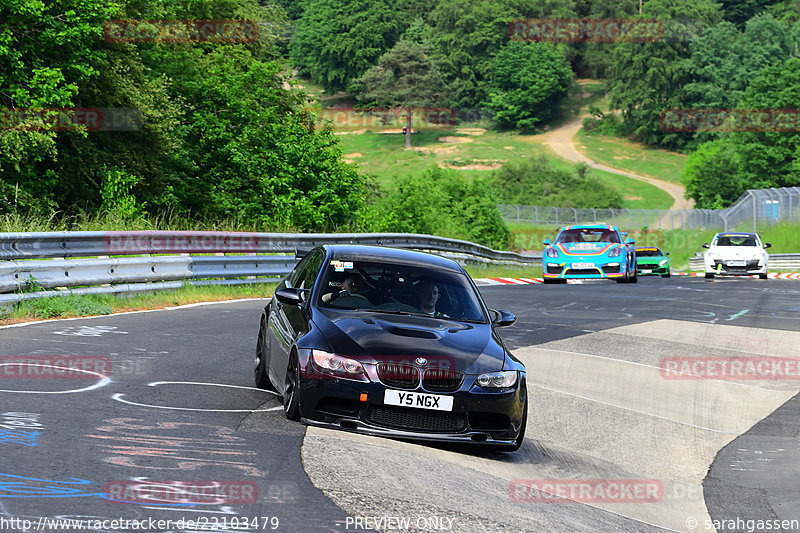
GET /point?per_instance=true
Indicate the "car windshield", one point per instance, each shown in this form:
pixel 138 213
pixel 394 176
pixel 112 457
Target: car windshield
pixel 736 240
pixel 648 252
pixel 588 235
pixel 399 288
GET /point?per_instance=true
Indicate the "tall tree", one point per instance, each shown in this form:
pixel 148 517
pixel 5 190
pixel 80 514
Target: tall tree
pixel 405 77
pixel 647 77
pixel 336 41
pixel 527 82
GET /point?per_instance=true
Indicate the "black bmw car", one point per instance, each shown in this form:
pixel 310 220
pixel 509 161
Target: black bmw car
pixel 391 342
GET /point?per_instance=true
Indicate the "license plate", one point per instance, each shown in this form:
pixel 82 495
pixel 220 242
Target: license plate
pixel 418 400
pixel 737 263
pixel 647 271
pixel 582 266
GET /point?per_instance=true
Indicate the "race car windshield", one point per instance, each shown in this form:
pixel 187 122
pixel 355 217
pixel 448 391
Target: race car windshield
pixel 588 235
pixel 736 240
pixel 401 289
pixel 648 252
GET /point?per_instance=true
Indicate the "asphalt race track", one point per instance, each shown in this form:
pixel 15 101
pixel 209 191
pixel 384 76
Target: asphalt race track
pixel 157 420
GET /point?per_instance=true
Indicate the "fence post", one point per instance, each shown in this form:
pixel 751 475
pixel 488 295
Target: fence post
pixel 630 220
pixel 517 213
pixel 594 215
pixel 536 213
pixel 755 206
pixel 575 212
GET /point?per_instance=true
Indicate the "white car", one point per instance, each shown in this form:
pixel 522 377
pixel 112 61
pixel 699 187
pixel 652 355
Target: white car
pixel 736 254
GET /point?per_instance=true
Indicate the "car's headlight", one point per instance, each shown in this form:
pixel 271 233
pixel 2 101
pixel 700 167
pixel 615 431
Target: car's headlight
pixel 616 252
pixel 662 262
pixel 551 252
pixel 498 380
pixel 336 363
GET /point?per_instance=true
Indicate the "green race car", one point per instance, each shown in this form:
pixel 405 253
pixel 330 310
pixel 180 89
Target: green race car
pixel 651 261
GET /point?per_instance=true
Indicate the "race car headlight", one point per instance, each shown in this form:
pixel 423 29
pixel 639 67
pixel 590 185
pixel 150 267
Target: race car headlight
pixel 551 252
pixel 616 252
pixel 498 380
pixel 336 363
pixel 662 262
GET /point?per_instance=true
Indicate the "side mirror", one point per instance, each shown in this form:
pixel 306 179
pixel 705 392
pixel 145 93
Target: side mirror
pixel 629 241
pixel 502 318
pixel 767 245
pixel 547 242
pixel 289 296
pixel 666 253
pixel 705 245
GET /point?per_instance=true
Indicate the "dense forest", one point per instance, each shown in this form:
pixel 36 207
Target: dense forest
pixel 223 131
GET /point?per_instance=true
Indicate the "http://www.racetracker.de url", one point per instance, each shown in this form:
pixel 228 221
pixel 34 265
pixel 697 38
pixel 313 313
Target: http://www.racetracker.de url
pixel 63 525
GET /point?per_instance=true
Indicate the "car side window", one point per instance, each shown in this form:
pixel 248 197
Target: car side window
pixel 295 278
pixel 310 271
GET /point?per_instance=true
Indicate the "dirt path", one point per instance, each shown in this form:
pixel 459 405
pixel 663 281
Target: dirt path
pixel 561 141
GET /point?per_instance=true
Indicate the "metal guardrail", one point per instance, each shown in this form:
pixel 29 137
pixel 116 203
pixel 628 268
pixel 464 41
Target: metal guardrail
pixel 30 262
pixel 40 245
pixel 776 261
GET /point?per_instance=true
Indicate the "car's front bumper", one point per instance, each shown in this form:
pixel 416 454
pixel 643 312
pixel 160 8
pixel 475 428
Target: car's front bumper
pixel 610 270
pixel 721 267
pixel 652 269
pixel 478 415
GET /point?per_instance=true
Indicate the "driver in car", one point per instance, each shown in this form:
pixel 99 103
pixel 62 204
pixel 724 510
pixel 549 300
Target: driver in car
pixel 352 284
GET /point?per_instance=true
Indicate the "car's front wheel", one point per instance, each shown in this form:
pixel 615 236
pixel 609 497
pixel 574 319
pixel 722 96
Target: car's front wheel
pixel 291 390
pixel 709 275
pixel 763 276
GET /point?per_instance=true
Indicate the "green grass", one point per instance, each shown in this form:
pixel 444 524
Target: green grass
pixel 633 157
pixel 384 157
pixel 104 304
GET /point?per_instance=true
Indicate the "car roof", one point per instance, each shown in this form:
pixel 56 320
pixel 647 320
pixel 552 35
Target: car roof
pixel 590 226
pixel 737 234
pixel 363 252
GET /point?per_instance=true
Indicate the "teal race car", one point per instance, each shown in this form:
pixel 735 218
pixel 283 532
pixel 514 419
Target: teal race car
pixel 651 261
pixel 589 251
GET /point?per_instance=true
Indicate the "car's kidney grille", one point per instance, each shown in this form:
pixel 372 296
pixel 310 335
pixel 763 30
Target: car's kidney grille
pixel 442 379
pixel 397 375
pixel 416 419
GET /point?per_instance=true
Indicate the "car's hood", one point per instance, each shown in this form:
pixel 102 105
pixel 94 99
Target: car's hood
pixel 650 259
pixel 380 337
pixel 586 249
